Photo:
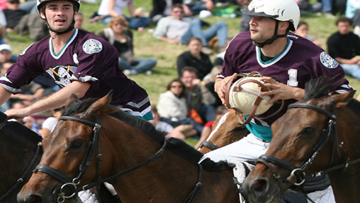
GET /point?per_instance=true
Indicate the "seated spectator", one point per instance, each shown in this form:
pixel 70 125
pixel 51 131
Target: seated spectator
pixel 303 29
pixel 209 82
pixel 344 47
pixel 179 29
pixel 245 18
pixel 162 9
pixel 79 19
pixel 198 5
pixel 49 124
pixel 220 111
pixel 195 58
pixel 353 12
pixel 180 132
pixel 306 6
pixel 117 35
pixel 29 93
pixel 172 106
pixel 199 99
pixel 13 14
pixel 2 18
pixel 113 8
pixel 6 54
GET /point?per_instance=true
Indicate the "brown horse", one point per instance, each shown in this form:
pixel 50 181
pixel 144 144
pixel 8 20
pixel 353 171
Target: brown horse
pixel 322 126
pixel 225 130
pixel 20 154
pixel 89 146
pixel 21 151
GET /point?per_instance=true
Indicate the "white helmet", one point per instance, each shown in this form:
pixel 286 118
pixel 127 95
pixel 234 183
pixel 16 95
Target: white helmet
pixel 281 10
pixel 40 3
pixel 244 93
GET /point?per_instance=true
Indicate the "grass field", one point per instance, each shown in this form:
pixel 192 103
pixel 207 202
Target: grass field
pixel 166 54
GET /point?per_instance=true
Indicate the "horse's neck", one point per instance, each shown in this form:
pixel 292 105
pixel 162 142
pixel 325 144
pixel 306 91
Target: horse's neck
pixel 16 156
pixel 172 179
pixel 346 185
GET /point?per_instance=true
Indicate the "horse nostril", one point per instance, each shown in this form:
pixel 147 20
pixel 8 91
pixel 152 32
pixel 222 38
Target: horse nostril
pixel 259 186
pixel 34 199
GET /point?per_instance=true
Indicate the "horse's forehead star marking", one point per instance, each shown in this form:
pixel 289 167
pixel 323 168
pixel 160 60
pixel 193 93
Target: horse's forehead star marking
pixel 221 121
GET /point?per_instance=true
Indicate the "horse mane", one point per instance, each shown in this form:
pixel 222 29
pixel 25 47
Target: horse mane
pixel 176 146
pixel 319 87
pixel 354 105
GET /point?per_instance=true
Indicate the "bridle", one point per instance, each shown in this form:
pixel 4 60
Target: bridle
pixel 70 184
pixel 297 175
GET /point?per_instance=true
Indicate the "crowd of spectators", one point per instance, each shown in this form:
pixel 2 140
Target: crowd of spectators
pixel 189 105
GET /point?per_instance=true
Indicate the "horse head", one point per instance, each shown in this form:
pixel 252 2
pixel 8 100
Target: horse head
pixel 69 152
pixel 225 130
pixel 312 136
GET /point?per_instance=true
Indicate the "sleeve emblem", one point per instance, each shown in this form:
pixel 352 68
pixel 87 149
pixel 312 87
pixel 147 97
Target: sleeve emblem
pixel 92 46
pixel 328 61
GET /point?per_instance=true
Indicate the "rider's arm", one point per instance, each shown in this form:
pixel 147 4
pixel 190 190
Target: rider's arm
pixel 53 101
pixel 5 95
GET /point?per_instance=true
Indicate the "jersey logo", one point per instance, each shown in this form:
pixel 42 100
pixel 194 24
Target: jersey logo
pixel 328 61
pixel 92 46
pixel 62 74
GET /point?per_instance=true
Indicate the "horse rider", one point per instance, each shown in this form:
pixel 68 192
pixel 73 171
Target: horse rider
pixel 287 62
pixel 80 62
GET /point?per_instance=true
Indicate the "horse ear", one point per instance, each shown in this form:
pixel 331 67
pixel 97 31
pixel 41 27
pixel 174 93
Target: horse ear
pixel 99 106
pixel 72 98
pixel 343 99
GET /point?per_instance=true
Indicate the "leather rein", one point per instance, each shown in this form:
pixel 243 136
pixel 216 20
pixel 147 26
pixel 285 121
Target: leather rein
pixel 70 184
pixel 297 175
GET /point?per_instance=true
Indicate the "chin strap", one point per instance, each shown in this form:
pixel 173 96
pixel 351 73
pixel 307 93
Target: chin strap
pixel 272 39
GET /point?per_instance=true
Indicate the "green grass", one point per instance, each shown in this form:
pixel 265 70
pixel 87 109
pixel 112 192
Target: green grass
pixel 166 54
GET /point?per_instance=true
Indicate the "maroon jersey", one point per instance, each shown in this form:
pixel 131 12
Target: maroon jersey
pixel 300 61
pixel 85 57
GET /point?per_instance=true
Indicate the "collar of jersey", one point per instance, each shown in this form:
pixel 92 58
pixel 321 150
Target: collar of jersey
pixel 276 58
pixel 61 52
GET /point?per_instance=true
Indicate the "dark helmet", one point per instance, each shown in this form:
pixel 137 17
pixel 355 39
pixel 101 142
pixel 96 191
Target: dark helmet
pixel 40 3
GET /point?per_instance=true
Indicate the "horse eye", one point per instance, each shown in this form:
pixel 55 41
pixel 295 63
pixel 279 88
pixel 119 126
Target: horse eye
pixel 308 131
pixel 76 144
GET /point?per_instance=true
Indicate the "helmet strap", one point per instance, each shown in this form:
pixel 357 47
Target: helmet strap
pixel 272 39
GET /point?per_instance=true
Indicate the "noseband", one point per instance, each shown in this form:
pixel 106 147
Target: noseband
pixel 297 175
pixel 70 184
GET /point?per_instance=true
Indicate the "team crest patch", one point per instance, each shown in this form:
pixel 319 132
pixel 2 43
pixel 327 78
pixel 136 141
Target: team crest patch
pixel 328 61
pixel 92 46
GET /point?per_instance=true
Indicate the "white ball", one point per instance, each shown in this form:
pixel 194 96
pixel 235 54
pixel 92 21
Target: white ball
pixel 244 99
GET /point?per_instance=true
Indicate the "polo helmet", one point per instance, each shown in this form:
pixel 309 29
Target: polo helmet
pixel 40 3
pixel 281 10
